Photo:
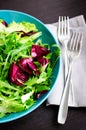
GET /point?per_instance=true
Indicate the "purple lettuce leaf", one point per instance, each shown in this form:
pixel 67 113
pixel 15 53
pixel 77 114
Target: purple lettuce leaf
pixel 28 65
pixel 17 75
pixel 4 23
pixel 38 51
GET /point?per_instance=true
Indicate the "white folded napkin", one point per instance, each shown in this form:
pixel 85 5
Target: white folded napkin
pixel 77 94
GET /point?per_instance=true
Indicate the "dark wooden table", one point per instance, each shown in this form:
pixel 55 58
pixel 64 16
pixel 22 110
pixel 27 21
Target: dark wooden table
pixel 44 118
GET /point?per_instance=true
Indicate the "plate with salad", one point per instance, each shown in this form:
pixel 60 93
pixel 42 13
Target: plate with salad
pixel 29 64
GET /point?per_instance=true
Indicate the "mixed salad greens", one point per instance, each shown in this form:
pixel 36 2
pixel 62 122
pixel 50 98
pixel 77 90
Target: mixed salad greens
pixel 25 66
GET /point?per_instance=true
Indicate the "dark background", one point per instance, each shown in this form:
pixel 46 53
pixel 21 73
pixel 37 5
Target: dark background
pixel 45 118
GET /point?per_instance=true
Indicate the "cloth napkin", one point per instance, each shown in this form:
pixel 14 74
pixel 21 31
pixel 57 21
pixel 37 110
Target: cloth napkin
pixel 77 93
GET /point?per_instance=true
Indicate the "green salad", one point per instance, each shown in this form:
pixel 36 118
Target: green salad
pixel 25 66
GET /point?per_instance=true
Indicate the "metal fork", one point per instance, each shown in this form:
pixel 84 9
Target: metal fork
pixel 74 47
pixel 63 35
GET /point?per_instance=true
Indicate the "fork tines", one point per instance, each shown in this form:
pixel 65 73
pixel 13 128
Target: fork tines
pixel 75 41
pixel 63 24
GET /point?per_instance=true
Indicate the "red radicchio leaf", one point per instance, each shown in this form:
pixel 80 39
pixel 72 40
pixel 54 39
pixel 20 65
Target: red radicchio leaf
pixel 43 61
pixel 17 75
pixel 4 23
pixel 38 51
pixel 26 34
pixel 38 95
pixel 27 65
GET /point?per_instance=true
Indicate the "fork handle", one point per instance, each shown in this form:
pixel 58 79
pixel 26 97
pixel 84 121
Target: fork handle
pixel 63 108
pixel 66 62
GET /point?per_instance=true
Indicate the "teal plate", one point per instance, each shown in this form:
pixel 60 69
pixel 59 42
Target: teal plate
pixel 47 37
